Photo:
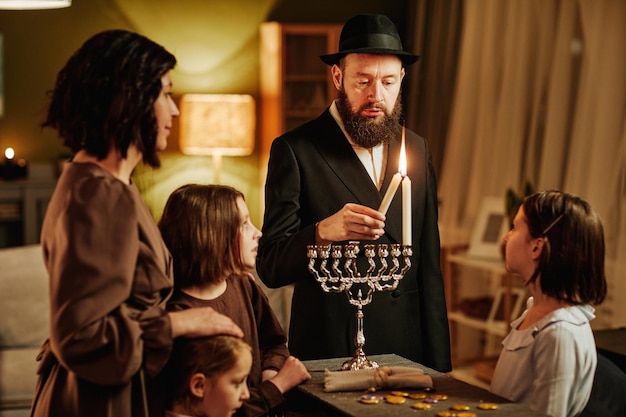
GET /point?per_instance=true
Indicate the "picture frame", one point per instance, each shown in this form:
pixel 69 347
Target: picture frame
pixel 489 228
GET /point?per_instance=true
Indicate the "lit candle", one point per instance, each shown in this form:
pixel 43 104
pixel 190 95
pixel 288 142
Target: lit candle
pixel 406 211
pixel 9 170
pixel 391 191
pixel 406 195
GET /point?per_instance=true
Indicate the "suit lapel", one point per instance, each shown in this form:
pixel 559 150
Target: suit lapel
pixel 343 161
pixel 341 158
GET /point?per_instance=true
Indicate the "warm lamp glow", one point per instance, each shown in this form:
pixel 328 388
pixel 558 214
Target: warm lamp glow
pixel 33 4
pixel 9 153
pixel 217 124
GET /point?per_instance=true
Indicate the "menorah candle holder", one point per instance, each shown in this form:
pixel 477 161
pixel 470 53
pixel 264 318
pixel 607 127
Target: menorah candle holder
pixel 335 268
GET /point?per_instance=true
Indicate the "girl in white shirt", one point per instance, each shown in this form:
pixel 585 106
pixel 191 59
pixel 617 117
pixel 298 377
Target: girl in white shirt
pixel 548 360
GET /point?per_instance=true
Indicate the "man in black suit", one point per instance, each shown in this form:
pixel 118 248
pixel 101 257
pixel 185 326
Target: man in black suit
pixel 325 182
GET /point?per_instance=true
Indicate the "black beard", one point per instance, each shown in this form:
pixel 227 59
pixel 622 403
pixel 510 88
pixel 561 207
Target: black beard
pixel 368 132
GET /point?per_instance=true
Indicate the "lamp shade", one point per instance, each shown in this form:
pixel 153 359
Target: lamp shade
pixel 33 4
pixel 222 124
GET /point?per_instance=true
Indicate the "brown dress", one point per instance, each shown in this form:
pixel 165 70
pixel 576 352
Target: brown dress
pixel 110 277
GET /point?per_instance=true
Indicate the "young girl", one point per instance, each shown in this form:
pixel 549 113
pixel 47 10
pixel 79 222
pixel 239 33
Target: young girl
pixel 207 376
pixel 549 358
pixel 213 242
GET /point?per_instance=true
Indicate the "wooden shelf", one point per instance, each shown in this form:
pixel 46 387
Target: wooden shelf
pixel 506 303
pixel 498 327
pixel 23 203
pixel 295 84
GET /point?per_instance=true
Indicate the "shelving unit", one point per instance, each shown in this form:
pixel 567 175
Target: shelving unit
pixel 295 84
pixel 507 301
pixel 23 204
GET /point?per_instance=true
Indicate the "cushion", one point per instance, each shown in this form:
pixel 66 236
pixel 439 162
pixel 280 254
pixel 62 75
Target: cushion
pixel 18 376
pixel 24 298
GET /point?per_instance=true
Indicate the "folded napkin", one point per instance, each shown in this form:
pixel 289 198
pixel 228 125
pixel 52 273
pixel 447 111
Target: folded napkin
pixel 385 377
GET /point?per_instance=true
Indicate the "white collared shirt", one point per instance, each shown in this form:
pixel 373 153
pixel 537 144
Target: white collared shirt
pixel 550 365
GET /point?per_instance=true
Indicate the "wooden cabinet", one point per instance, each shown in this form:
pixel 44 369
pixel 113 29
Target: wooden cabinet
pixel 23 205
pixel 295 84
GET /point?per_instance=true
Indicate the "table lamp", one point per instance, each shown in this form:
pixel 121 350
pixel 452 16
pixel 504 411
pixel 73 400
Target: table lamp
pixel 217 124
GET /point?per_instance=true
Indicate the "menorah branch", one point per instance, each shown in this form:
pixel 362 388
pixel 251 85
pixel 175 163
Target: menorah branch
pixel 341 278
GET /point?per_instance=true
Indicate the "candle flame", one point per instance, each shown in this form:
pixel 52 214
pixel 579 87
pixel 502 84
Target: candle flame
pixel 9 153
pixel 402 163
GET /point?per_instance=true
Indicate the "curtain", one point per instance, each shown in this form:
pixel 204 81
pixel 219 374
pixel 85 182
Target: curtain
pixel 539 95
pixel 434 34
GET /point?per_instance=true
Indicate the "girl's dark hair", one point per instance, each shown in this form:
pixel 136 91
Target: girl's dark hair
pixel 201 227
pixel 571 265
pixel 104 96
pixel 211 356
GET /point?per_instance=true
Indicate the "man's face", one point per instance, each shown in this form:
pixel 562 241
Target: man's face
pixel 368 102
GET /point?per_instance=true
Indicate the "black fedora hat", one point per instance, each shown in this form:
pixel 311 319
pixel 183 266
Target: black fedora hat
pixel 369 34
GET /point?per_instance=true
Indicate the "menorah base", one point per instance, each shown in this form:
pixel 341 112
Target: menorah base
pixel 359 361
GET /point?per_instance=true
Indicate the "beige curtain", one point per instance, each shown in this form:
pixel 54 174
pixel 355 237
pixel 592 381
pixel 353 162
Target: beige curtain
pixel 540 95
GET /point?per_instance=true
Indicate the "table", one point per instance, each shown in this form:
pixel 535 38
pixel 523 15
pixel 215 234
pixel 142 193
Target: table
pixel 341 404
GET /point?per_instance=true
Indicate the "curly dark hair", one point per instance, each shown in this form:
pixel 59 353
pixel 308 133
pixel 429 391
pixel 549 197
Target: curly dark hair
pixel 571 265
pixel 104 96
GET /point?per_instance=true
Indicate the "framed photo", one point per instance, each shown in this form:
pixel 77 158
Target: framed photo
pixel 490 227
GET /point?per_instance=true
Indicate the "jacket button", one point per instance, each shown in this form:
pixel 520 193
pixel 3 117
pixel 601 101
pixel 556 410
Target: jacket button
pixel 396 293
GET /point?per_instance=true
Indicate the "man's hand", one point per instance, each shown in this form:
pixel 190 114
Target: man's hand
pixel 352 222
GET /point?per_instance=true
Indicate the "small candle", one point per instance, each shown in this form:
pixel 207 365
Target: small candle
pixel 9 153
pixel 406 211
pixel 9 169
pixel 391 191
pixel 406 195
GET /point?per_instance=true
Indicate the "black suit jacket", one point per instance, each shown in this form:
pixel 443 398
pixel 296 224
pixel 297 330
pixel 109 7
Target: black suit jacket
pixel 312 173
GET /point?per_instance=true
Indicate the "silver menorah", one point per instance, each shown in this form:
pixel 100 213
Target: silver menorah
pixel 325 264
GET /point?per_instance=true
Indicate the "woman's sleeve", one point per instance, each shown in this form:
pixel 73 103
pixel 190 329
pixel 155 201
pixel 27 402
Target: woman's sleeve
pixel 100 325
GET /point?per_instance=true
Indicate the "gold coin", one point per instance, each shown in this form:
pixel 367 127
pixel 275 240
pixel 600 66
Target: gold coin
pixel 466 414
pixel 460 407
pixel 438 397
pixel 394 399
pixel 417 395
pixel 400 393
pixel 446 414
pixel 369 400
pixel 421 406
pixel 488 406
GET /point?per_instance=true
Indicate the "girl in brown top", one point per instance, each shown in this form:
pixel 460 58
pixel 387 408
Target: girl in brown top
pixel 110 272
pixel 209 233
